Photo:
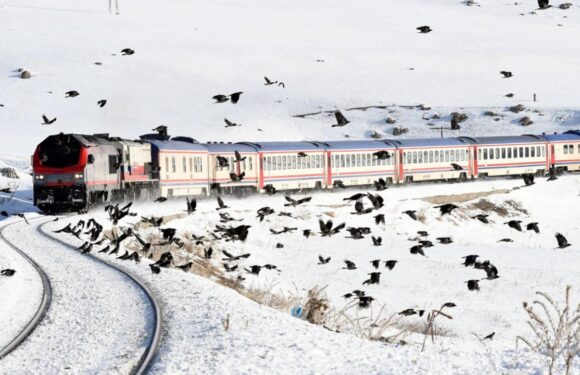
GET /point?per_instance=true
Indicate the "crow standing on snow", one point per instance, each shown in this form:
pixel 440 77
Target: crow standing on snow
pixel 340 119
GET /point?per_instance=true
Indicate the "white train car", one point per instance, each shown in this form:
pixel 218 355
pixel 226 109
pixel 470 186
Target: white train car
pixel 291 165
pixel 511 155
pixel 181 165
pixel 433 159
pixel 564 150
pixel 220 177
pixel 356 163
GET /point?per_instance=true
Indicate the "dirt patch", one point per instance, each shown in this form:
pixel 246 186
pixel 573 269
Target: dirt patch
pixel 461 198
pixel 507 209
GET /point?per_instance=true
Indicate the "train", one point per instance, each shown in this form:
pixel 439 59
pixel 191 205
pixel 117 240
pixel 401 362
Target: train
pixel 73 172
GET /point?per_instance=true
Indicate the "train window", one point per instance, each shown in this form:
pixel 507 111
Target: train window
pixel 191 164
pixel 578 149
pixel 167 164
pixel 250 163
pixel 458 155
pixel 184 160
pixel 521 152
pixel 373 161
pixel 414 153
pixel 484 154
pixel 274 163
pixel 293 162
pixel 527 152
pixel 451 155
pixel 419 157
pixel 509 152
pixel 533 152
pixel 173 167
pixel 503 153
pixel 318 161
pixel 279 163
pixel 113 166
pixel 425 157
pixel 431 157
pixel 347 161
pixel 284 165
pixel 446 156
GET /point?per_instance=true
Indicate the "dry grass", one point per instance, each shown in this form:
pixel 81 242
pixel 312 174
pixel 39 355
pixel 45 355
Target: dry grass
pixel 461 198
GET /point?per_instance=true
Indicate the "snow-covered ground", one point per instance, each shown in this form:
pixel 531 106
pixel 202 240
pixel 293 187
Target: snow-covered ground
pixel 330 55
pixel 188 51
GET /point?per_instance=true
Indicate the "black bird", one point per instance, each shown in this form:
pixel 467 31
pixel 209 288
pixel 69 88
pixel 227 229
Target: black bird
pixel 390 264
pixel 490 270
pixel 375 263
pixel 470 260
pixel 265 211
pixel 268 82
pixel 408 312
pixel 185 267
pixel 380 184
pixel 238 157
pixel 230 258
pixel 127 52
pixel 222 161
pixel 165 260
pixel 306 233
pixel 515 224
pixel 235 97
pixel 382 155
pixel 230 124
pixel 302 155
pixel 490 336
pixel 270 189
pixel 7 272
pixel 446 208
pixel 355 197
pixel 47 121
pixel 160 200
pixel 379 219
pixel 5 214
pixel 365 301
pixel 422 233
pixel 101 103
pixel 449 304
pixel 562 241
pixel 552 174
pixel 424 29
pixel 544 4
pixel 71 94
pixel 161 130
pixel 355 233
pixel 510 95
pixel 506 240
pixel 207 253
pixel 377 241
pixel 426 243
pixel 411 213
pixel 360 209
pixel 534 227
pixel 234 177
pixel 191 205
pixel 229 268
pixel 220 98
pixel 340 119
pixel 296 202
pixel 338 184
pixel 375 278
pixel 506 74
pixel 376 200
pixel 417 249
pixel 327 228
pixel 221 204
pixel 281 84
pixel 473 285
pixel 349 265
pixel 254 270
pixel 168 233
pixel 155 269
pixel 457 167
pixel 322 260
pixel 482 218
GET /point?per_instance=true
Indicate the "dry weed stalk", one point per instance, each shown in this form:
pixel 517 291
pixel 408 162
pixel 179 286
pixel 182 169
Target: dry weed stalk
pixel 430 329
pixel 556 330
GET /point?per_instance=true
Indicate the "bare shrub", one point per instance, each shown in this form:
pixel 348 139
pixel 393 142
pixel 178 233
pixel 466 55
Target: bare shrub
pixel 431 317
pixel 226 323
pixel 556 330
pixel 487 206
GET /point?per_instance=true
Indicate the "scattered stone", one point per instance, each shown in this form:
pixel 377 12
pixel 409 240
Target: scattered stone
pixel 399 131
pixel 496 119
pixel 517 108
pixel 526 121
pixel 8 172
pixel 435 117
pixel 423 107
pixel 490 113
pixel 25 74
pixel 376 135
pixel 565 6
pixel 471 3
pixel 98 63
pixel 459 117
pixel 390 120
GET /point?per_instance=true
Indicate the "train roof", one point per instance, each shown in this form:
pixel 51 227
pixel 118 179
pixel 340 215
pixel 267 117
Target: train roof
pixel 508 140
pixel 229 147
pixel 358 145
pixel 174 145
pixel 431 142
pixel 570 135
pixel 285 146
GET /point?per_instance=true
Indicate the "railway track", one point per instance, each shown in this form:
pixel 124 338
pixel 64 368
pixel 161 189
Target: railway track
pixel 42 307
pixel 154 336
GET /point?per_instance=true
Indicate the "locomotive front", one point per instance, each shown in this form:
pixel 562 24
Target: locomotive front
pixel 59 164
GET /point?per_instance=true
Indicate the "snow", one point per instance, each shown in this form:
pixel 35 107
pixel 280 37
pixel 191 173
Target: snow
pixel 187 52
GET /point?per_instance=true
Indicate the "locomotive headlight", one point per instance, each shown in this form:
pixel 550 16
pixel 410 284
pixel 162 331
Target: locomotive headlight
pixel 39 177
pixel 79 175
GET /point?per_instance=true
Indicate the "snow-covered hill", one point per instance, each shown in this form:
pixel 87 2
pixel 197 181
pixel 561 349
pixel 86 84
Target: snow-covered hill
pixel 329 54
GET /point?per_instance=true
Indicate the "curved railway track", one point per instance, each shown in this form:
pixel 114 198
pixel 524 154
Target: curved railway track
pixel 154 337
pixel 42 307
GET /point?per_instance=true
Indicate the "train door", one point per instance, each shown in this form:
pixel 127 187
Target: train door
pixel 260 171
pixel 401 173
pixel 475 164
pixel 328 169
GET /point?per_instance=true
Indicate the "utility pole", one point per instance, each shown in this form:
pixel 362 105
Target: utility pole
pixel 116 6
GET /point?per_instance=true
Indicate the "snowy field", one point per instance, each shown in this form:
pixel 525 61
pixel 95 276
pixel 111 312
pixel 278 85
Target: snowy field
pixel 366 59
